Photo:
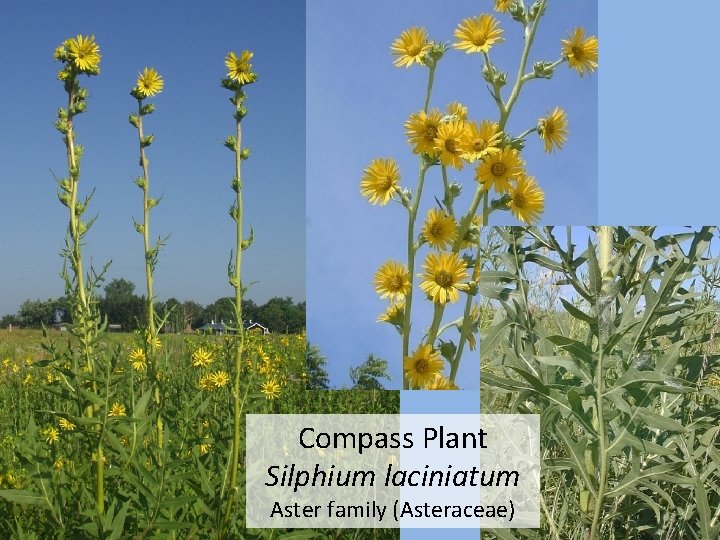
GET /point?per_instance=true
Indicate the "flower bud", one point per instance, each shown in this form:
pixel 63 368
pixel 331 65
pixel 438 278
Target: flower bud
pixel 147 140
pixel 140 182
pixel 230 142
pixel 447 350
pixel 147 109
pixel 234 212
pixel 64 198
pixel 543 70
pixel 248 241
pixel 133 119
pixel 236 184
pixel 245 153
pixel 139 227
pixel 517 12
pixel 472 287
pixel 152 203
pixel 240 113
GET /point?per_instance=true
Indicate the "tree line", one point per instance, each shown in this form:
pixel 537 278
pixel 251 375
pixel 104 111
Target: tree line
pixel 123 307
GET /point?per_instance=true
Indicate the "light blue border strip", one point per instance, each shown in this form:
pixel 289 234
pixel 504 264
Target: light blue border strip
pixel 439 402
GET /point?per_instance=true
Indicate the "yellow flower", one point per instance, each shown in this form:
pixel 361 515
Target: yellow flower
pixel 553 129
pixel 117 409
pixel 582 54
pixel 421 130
pixel 59 463
pixel 498 169
pixel 423 366
pixel 502 5
pixel 441 383
pixel 458 110
pixel 271 389
pixel 220 378
pixel 153 340
pixel 149 83
pixel 527 200
pixel 380 181
pixel 206 382
pixel 439 229
pixel 240 69
pixel 394 314
pixel 66 424
pixel 444 273
pixel 410 48
pixel 448 143
pixel 480 139
pixel 478 34
pixel 28 380
pixel 392 280
pixel 204 448
pixel 201 357
pixel 83 52
pixel 138 359
pixel 51 435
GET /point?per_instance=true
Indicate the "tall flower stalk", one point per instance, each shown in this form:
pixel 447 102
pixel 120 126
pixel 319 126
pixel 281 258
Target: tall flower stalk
pixel 448 141
pixel 149 83
pixel 80 56
pixel 239 74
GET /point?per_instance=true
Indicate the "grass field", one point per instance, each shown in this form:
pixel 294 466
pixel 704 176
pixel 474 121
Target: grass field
pixel 169 488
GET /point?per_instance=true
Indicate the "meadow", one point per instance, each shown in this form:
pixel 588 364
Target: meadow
pixel 151 491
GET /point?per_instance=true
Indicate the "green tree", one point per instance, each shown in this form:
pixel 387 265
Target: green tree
pixel 315 362
pixel 122 306
pixel 366 375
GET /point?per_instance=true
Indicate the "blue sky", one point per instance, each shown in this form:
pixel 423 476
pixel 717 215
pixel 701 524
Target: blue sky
pixel 188 164
pixel 357 104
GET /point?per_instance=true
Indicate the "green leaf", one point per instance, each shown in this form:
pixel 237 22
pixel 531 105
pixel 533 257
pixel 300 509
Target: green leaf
pixel 22 496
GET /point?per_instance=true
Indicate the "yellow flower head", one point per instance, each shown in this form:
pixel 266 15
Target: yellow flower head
pixel 380 181
pixel 117 409
pixel 499 168
pixel 240 68
pixel 392 280
pixel 582 54
pixel 449 143
pixel 439 229
pixel 458 110
pixel 201 357
pixel 553 129
pixel 480 139
pixel 423 366
pixel 66 425
pixel 421 129
pixel 83 53
pixel 206 382
pixel 478 34
pixel 502 5
pixel 270 388
pixel 138 359
pixel 51 435
pixel 527 200
pixel 410 48
pixel 220 379
pixel 149 83
pixel 443 275
pixel 394 314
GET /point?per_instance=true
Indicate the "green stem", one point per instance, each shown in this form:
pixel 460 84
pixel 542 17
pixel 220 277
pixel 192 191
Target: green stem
pixel 411 251
pixel 150 303
pixel 520 80
pixel 150 306
pixel 240 335
pixel 605 234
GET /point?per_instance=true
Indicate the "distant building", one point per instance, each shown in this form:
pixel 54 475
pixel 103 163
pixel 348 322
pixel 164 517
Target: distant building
pixel 255 327
pixel 214 328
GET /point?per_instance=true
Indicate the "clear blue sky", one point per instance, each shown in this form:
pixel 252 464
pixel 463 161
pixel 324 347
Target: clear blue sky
pixel 187 42
pixel 357 104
